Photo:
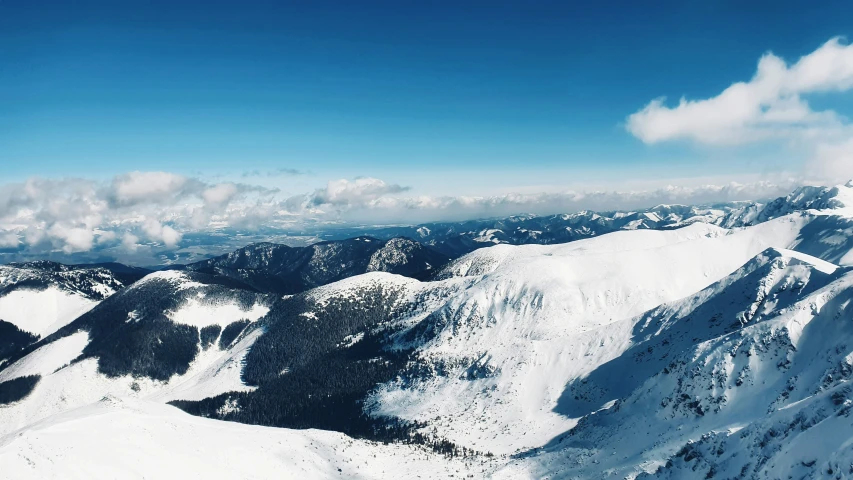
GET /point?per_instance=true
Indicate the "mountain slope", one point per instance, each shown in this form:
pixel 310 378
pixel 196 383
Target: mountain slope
pixel 138 439
pixel 487 350
pixel 169 332
pixel 501 351
pixel 733 382
pixel 38 298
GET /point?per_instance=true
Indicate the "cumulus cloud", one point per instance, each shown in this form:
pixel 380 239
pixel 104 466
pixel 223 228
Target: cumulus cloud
pixel 161 233
pixel 151 187
pixel 358 192
pixel 75 239
pixel 75 215
pixel 770 105
pixel 218 196
pixel 9 240
pixel 130 242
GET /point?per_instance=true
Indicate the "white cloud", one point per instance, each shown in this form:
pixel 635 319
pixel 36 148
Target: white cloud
pixel 218 196
pixel 834 160
pixel 161 233
pixel 76 215
pixel 130 242
pixel 9 240
pixel 75 239
pixel 156 187
pixel 770 105
pixel 105 237
pixel 431 208
pixel 359 191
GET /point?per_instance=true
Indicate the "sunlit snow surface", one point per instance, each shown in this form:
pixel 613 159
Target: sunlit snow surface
pixel 41 299
pixel 198 313
pixel 43 312
pixel 127 438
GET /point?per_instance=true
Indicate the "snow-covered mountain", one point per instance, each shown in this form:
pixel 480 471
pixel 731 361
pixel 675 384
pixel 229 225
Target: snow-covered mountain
pixel 748 378
pixel 171 331
pixel 718 349
pixel 38 298
pixel 277 268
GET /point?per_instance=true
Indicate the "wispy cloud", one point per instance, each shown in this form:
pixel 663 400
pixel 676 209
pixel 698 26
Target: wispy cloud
pixel 277 172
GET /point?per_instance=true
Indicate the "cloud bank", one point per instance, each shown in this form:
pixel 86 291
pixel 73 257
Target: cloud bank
pixel 77 215
pixel 145 210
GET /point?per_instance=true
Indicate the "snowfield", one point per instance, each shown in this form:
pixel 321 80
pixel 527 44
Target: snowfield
pixel 43 312
pixel 197 313
pixel 66 384
pixel 714 389
pixel 47 359
pixel 125 438
pixel 42 297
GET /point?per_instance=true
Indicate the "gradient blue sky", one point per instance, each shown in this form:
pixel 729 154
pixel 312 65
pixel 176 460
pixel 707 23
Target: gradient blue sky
pixel 434 95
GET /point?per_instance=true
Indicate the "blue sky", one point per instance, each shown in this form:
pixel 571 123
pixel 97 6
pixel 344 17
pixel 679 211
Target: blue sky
pixel 132 125
pixel 501 93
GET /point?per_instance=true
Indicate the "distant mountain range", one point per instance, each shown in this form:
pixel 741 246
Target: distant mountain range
pixel 455 239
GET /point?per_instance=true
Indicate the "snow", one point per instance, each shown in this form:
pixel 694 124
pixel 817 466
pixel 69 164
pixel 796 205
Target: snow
pixel 199 313
pixel 547 314
pixel 180 280
pixel 48 358
pixel 211 373
pixel 43 312
pixel 351 340
pixel 488 236
pixel 774 395
pixel 352 286
pixel 819 264
pixel 127 438
pixel 847 259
